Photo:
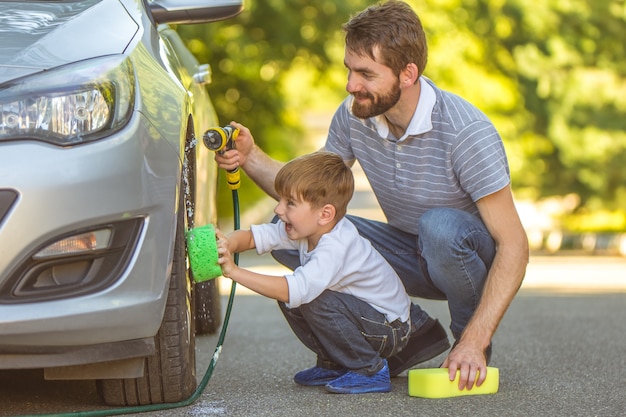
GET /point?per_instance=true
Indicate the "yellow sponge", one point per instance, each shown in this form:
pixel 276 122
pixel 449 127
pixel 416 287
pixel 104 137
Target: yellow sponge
pixel 435 383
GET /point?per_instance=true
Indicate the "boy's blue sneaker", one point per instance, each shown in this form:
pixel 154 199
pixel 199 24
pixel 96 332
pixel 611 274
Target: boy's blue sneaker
pixel 353 383
pixel 317 376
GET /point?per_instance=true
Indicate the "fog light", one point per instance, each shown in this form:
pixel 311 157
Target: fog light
pixel 72 265
pixel 77 244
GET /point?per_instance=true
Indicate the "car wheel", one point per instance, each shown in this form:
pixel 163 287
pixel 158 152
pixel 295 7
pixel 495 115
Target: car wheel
pixel 170 374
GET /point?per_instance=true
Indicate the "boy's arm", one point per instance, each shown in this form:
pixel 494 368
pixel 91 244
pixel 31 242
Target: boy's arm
pixel 272 286
pixel 239 241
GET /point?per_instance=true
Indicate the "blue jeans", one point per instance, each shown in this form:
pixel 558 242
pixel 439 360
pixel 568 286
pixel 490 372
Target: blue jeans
pixel 346 332
pixel 448 259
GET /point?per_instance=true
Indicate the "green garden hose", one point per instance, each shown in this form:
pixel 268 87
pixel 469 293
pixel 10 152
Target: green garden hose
pixel 207 376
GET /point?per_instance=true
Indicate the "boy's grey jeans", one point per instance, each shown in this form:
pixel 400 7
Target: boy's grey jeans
pixel 346 332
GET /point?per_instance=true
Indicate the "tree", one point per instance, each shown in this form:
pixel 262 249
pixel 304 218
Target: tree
pixel 570 66
pixel 550 75
pixel 254 55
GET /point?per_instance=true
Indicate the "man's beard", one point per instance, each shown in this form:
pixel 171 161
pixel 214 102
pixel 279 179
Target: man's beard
pixel 377 104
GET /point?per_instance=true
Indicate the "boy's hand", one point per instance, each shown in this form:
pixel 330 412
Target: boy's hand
pixel 225 258
pixel 219 235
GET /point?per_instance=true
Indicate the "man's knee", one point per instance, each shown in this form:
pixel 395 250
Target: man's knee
pixel 445 224
pixel 441 217
pixel 448 234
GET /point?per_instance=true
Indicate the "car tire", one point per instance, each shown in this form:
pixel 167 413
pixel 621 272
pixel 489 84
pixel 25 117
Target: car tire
pixel 208 307
pixel 169 374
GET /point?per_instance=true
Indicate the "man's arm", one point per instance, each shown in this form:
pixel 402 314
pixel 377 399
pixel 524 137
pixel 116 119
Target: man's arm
pixel 503 281
pixel 257 164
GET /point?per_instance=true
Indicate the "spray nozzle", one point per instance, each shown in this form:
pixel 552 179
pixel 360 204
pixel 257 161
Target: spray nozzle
pixel 221 139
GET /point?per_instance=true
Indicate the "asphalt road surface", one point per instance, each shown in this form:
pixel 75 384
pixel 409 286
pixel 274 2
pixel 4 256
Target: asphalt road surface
pixel 560 351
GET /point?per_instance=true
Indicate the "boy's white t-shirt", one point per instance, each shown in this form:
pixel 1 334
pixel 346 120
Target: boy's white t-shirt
pixel 343 261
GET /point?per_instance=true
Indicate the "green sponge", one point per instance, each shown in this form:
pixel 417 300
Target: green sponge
pixel 202 250
pixel 435 383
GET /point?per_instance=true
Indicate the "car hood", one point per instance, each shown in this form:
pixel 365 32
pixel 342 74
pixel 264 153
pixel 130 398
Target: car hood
pixel 40 35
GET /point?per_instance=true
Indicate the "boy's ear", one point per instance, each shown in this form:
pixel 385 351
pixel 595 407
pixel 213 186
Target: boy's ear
pixel 327 214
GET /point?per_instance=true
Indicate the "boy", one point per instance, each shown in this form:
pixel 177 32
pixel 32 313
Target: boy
pixel 345 302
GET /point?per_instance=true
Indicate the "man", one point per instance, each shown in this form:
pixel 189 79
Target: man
pixel 439 171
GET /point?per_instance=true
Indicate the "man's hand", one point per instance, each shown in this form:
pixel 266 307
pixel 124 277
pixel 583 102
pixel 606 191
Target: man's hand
pixel 235 158
pixel 257 164
pixel 470 361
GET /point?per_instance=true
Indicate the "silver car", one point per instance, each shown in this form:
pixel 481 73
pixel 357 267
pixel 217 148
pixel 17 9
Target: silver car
pixel 100 105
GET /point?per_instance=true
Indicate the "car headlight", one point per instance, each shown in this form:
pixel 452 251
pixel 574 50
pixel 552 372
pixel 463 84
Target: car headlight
pixel 69 105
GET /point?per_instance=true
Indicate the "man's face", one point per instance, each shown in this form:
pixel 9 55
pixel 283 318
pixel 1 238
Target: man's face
pixel 375 88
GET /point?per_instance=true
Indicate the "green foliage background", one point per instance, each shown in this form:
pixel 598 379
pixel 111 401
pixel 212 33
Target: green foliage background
pixel 551 75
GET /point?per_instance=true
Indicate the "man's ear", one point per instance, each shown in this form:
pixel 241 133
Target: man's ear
pixel 409 75
pixel 327 214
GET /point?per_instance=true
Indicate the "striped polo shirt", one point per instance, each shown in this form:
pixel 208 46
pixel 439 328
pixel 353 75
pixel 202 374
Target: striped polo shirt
pixel 450 156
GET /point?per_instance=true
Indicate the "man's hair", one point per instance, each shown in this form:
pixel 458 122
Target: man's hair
pixel 318 178
pixel 394 29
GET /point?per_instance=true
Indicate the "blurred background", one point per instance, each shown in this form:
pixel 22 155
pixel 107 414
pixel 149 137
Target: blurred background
pixel 550 75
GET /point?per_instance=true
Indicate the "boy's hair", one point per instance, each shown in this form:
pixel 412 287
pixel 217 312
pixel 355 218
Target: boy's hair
pixel 392 27
pixel 318 178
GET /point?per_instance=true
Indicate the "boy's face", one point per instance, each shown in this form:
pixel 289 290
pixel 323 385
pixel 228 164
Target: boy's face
pixel 301 220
